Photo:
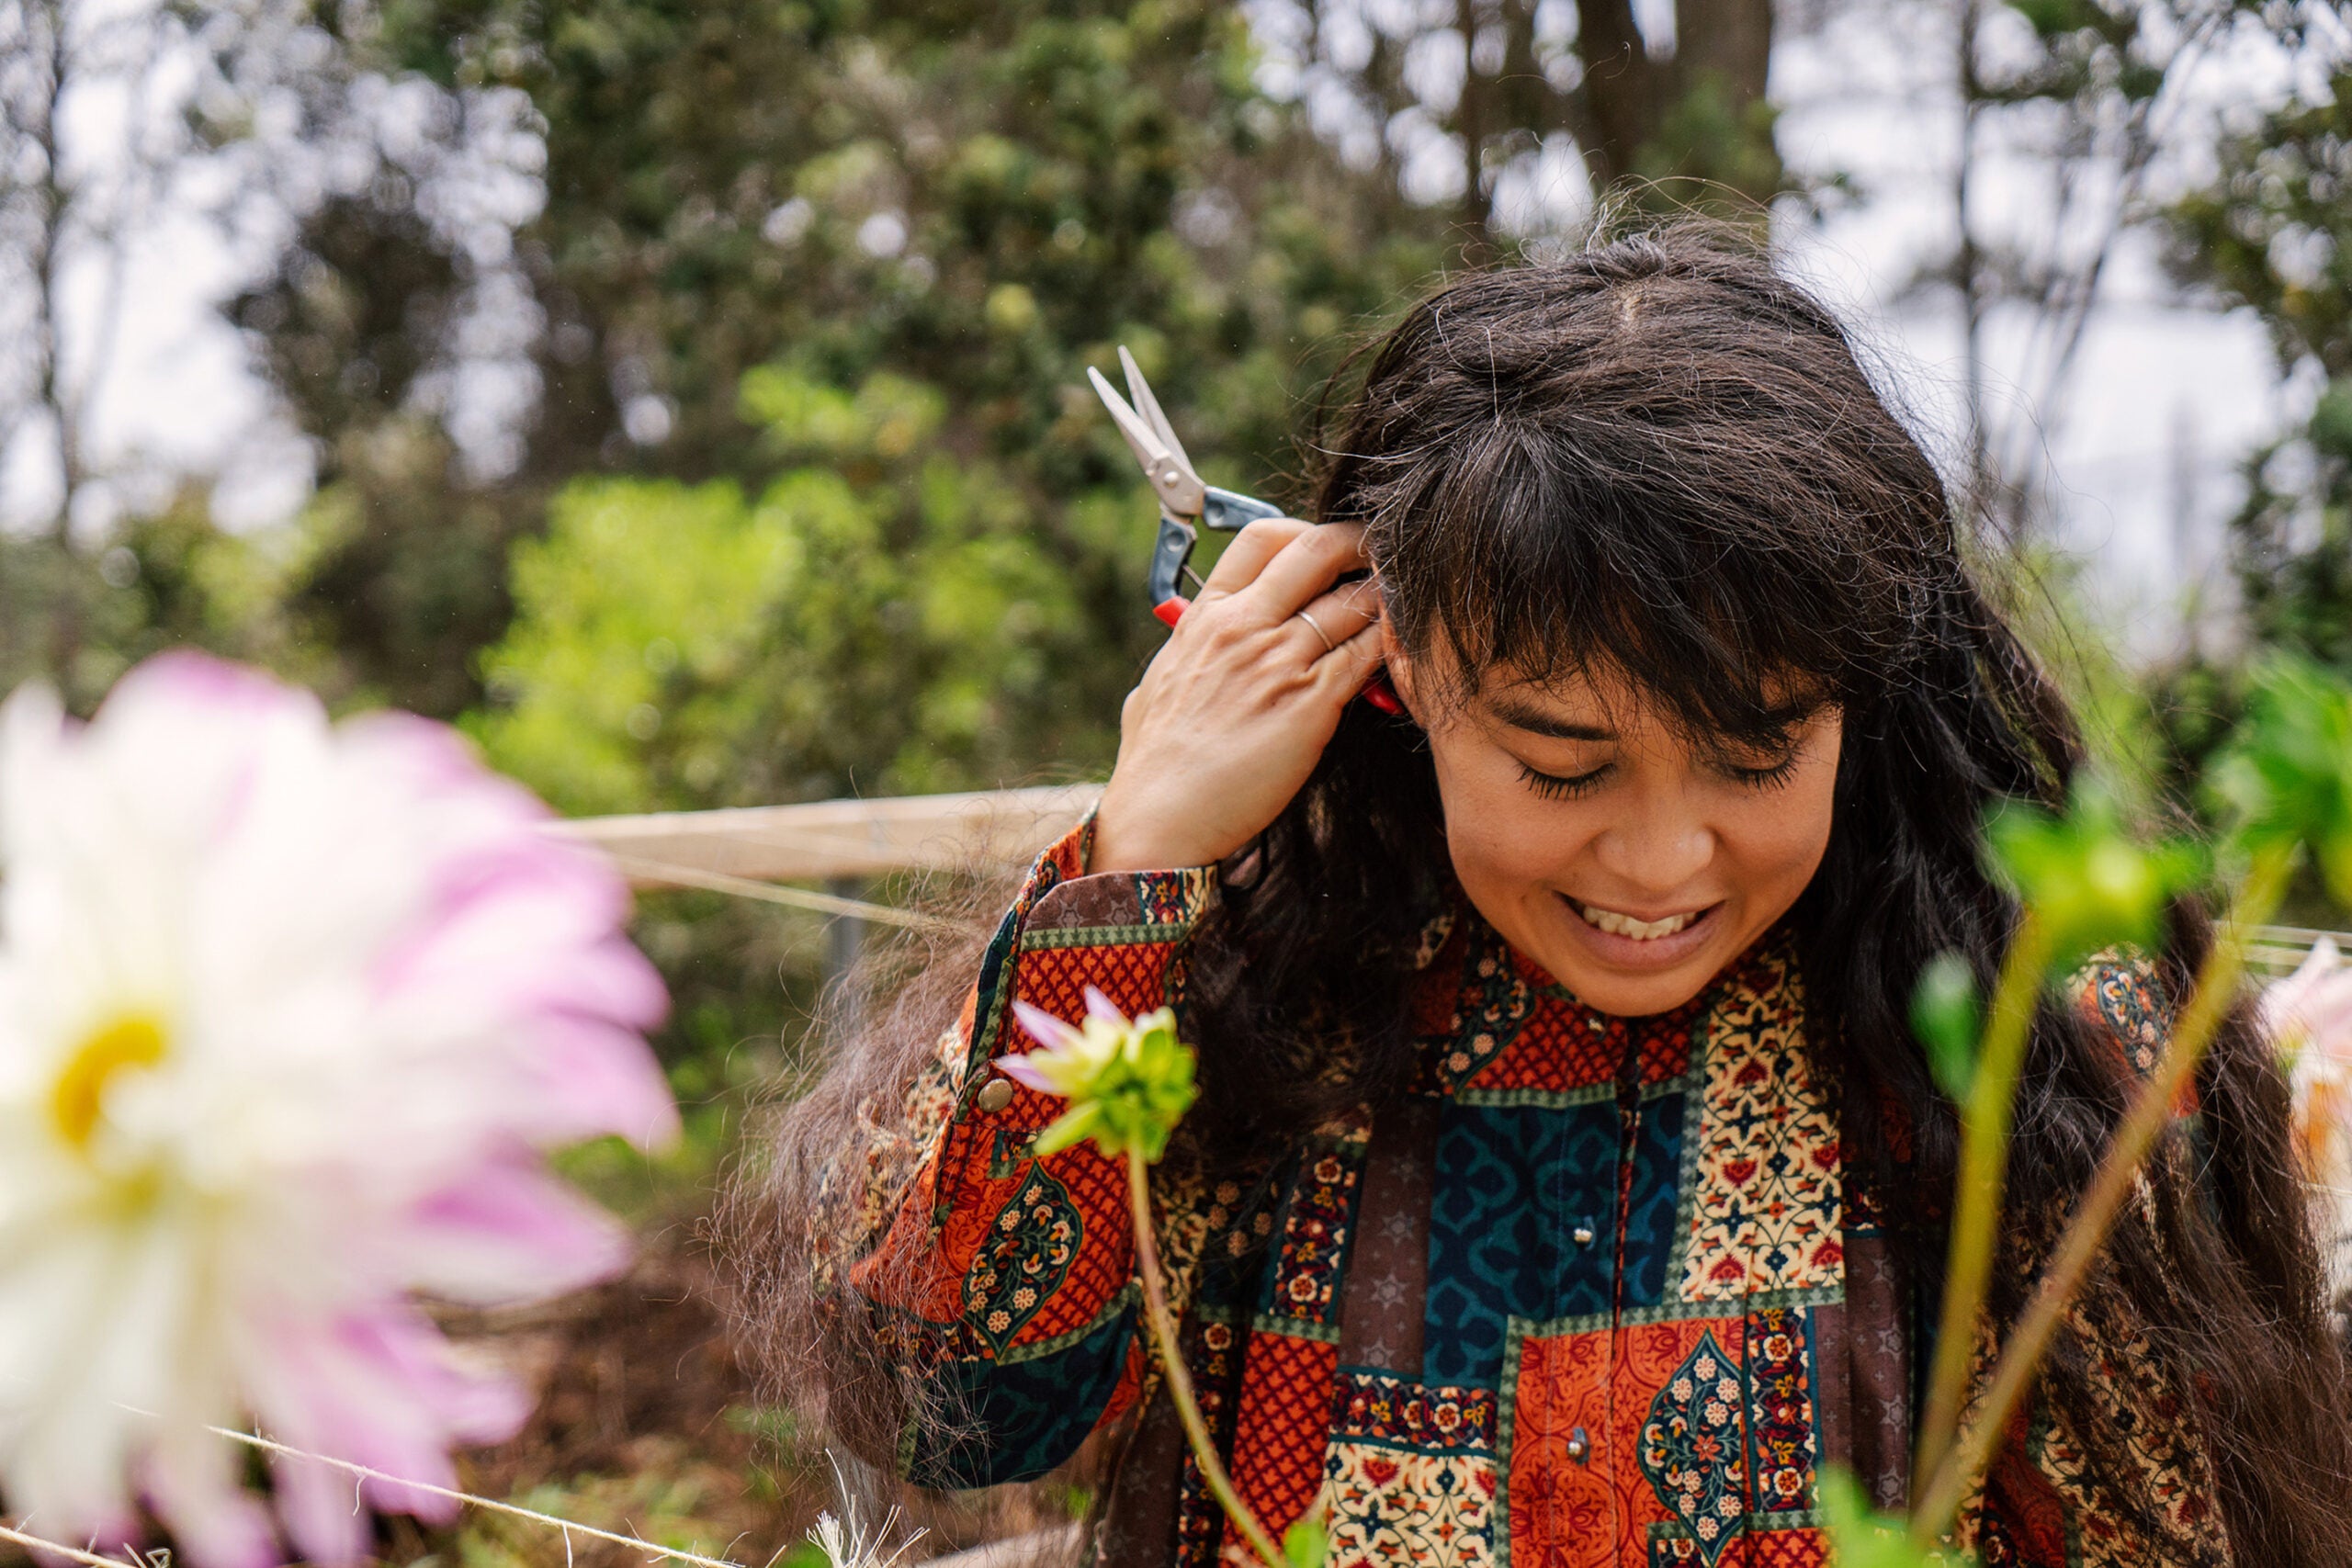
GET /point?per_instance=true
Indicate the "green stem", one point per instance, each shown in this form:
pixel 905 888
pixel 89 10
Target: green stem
pixel 1984 1170
pixel 2085 1233
pixel 1180 1381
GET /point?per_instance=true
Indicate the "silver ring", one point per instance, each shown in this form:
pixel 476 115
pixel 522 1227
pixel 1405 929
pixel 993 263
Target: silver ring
pixel 1329 646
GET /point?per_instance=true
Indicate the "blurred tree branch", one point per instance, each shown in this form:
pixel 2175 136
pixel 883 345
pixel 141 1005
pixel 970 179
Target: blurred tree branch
pixel 61 206
pixel 2272 232
pixel 2082 96
pixel 1502 81
pixel 87 149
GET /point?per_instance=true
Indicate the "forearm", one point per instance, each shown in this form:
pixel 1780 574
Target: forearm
pixel 1004 1290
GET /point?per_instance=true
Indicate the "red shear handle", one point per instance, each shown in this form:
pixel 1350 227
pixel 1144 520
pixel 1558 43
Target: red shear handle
pixel 1376 690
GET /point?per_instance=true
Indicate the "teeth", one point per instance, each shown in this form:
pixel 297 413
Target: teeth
pixel 1616 924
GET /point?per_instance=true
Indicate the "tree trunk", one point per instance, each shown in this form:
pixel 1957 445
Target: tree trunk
pixel 47 264
pixel 1729 41
pixel 1471 123
pixel 1639 110
pixel 1620 88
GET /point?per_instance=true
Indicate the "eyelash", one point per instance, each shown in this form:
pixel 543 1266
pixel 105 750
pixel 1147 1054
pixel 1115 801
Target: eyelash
pixel 1773 777
pixel 1551 786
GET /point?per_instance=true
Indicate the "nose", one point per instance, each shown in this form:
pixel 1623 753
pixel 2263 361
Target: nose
pixel 1658 847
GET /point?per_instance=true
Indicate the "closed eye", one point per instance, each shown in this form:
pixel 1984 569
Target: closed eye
pixel 1553 786
pixel 1772 777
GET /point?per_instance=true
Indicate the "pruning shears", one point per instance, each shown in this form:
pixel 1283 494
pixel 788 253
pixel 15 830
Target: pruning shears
pixel 1187 505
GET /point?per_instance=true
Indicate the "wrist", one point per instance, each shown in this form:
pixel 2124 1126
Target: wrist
pixel 1123 841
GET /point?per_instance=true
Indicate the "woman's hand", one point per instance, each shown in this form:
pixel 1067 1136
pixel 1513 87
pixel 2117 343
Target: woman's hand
pixel 1234 711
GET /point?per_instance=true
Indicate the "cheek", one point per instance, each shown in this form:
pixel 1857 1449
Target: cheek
pixel 1497 830
pixel 1777 841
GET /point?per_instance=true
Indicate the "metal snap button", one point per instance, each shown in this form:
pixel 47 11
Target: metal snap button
pixel 1579 1446
pixel 1583 1234
pixel 996 1096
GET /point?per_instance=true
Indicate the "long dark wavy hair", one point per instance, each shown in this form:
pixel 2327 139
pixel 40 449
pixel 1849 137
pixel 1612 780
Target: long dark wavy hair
pixel 1661 460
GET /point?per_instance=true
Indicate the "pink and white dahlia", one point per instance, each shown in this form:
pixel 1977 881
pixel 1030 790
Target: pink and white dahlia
pixel 289 1013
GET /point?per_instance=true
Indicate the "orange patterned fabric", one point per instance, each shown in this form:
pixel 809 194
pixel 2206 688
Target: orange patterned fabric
pixel 1598 1292
pixel 1284 1426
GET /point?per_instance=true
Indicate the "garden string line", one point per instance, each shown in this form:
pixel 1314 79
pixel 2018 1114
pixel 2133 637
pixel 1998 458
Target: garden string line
pixel 2275 949
pixel 566 1526
pixel 777 893
pixel 88 1559
pixel 363 1472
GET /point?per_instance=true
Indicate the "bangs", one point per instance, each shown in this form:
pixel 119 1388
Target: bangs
pixel 1605 492
pixel 1520 560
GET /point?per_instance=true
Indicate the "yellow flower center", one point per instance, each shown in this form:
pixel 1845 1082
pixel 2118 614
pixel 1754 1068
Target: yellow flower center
pixel 134 1040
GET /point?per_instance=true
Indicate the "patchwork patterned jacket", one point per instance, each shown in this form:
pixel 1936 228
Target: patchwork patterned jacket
pixel 1598 1292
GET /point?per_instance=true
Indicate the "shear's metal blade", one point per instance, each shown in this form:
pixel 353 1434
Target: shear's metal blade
pixel 1172 478
pixel 1142 440
pixel 1149 406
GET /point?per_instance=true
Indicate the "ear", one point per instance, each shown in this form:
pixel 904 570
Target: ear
pixel 1399 670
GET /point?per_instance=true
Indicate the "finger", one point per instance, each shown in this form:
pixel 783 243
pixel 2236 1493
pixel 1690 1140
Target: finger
pixel 1341 673
pixel 1345 610
pixel 1313 635
pixel 1333 618
pixel 1252 547
pixel 1307 567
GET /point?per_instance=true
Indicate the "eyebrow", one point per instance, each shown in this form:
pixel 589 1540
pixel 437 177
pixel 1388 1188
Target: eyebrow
pixel 1524 716
pixel 1535 721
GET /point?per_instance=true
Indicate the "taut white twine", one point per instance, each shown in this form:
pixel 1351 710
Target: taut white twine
pixel 36 1543
pixel 775 893
pixel 567 1526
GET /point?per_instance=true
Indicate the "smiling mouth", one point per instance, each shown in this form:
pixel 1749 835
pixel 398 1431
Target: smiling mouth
pixel 1616 924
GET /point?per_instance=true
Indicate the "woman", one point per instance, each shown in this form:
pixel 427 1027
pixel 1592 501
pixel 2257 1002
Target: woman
pixel 1567 1185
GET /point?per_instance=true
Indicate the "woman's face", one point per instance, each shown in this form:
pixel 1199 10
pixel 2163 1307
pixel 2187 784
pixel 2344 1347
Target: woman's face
pixel 1630 864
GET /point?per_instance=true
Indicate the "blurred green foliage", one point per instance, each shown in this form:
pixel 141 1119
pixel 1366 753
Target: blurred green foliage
pixel 1864 1537
pixel 2284 782
pixel 813 499
pixel 80 618
pixel 880 618
pixel 827 508
pixel 760 221
pixel 2272 231
pixel 1948 1015
pixel 2087 881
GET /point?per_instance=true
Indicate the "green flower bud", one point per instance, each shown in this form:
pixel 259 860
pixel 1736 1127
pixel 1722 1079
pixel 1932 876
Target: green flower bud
pixel 2088 884
pixel 1948 1015
pixel 1306 1544
pixel 1128 1080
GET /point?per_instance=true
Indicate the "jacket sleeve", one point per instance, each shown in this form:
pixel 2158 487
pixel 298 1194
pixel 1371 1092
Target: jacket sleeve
pixel 1004 1286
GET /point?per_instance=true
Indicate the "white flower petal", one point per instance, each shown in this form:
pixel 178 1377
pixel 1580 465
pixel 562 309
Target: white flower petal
pixel 370 984
pixel 1043 1027
pixel 506 1232
pixel 190 1478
